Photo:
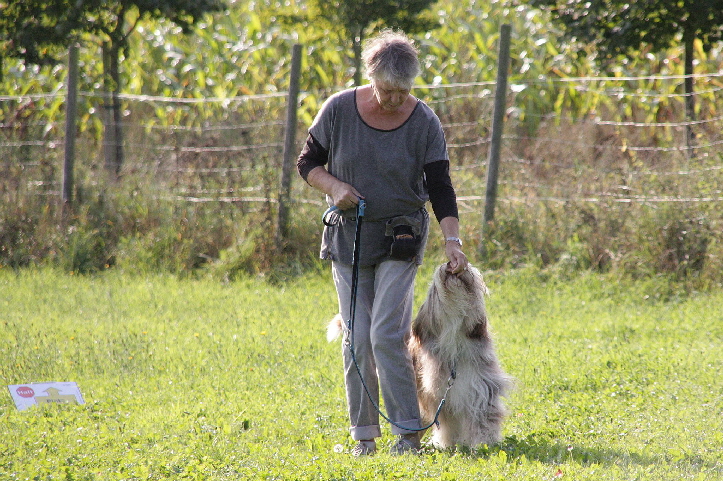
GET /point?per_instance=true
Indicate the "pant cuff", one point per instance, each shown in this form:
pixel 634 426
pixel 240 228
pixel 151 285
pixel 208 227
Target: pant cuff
pixel 365 432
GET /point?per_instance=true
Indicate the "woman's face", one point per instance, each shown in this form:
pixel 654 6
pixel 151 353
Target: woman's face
pixel 390 97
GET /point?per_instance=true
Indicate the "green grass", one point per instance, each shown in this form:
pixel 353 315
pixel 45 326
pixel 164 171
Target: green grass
pixel 195 379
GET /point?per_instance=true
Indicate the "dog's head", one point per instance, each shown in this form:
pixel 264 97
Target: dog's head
pixel 468 282
pixel 454 303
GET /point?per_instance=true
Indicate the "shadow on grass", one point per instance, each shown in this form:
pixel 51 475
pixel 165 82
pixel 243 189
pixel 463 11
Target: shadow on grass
pixel 540 447
pixel 545 449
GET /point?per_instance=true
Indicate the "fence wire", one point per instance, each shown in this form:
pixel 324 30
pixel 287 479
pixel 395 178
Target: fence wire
pixel 629 145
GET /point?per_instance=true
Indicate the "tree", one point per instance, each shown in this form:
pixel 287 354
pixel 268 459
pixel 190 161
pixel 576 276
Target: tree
pixel 354 19
pixel 37 30
pixel 26 31
pixel 620 27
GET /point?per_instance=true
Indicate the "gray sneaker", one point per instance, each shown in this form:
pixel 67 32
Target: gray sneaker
pixel 364 448
pixel 406 443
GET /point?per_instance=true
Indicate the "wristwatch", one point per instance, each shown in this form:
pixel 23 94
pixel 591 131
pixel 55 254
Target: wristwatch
pixel 455 239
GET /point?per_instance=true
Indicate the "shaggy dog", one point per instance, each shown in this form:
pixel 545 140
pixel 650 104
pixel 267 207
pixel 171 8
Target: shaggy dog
pixel 451 334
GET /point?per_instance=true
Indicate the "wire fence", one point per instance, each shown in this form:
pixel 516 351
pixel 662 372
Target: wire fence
pixel 589 140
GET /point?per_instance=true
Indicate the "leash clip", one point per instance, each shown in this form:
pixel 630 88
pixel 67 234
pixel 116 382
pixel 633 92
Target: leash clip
pixel 327 217
pixel 360 208
pixel 452 375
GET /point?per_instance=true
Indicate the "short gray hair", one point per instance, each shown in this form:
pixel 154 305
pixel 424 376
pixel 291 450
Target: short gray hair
pixel 391 57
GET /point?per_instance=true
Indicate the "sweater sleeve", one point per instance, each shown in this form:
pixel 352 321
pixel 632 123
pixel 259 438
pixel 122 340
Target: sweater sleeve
pixel 440 189
pixel 312 155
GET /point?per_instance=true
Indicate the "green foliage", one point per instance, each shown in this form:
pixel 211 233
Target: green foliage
pixel 620 28
pixel 355 20
pixel 230 78
pixel 18 243
pixel 197 379
pixel 39 30
pixel 36 30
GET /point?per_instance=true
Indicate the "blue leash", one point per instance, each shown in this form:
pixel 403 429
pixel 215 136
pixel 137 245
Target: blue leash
pixel 352 312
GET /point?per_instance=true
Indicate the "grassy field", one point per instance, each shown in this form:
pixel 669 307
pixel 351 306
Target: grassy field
pixel 194 379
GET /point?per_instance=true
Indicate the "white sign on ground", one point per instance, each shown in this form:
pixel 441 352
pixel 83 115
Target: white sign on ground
pixel 26 395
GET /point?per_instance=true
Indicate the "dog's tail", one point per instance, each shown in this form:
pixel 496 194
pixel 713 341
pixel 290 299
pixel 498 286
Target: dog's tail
pixel 334 328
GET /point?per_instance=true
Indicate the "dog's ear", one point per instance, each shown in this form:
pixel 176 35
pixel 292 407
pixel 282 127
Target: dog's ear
pixel 479 331
pixel 418 330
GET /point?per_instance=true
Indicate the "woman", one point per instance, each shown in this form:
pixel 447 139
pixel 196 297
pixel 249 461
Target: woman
pixel 381 144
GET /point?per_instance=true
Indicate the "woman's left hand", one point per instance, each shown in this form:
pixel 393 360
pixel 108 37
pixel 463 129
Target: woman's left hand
pixel 457 260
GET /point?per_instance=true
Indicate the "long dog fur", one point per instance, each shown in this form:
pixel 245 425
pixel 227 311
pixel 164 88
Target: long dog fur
pixel 451 331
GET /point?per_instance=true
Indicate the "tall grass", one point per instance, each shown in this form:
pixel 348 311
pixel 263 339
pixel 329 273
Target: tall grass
pixel 199 379
pixel 136 226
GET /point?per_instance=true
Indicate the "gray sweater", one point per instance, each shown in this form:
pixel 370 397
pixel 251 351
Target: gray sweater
pixel 385 166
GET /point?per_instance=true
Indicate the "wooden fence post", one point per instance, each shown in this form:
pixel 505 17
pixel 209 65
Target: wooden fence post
pixel 70 116
pixel 289 147
pixel 493 160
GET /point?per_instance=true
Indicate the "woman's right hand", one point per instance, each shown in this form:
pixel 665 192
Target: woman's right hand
pixel 345 196
pixel 342 194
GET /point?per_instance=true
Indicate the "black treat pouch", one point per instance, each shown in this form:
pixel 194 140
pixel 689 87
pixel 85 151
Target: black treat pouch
pixel 406 239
